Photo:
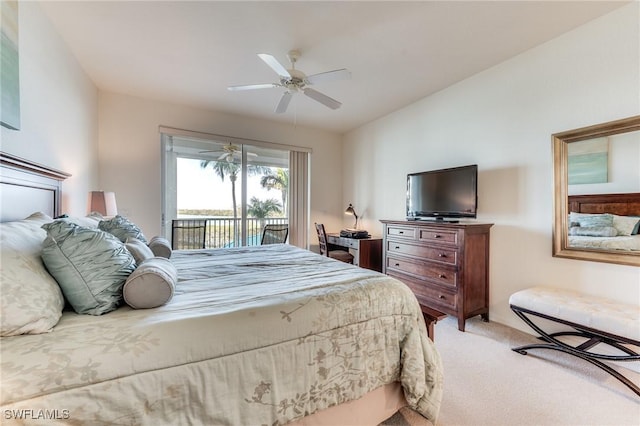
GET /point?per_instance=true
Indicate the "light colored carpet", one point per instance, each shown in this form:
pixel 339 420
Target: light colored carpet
pixel 486 383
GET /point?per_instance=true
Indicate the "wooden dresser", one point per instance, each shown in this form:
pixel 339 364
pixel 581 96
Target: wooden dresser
pixel 445 264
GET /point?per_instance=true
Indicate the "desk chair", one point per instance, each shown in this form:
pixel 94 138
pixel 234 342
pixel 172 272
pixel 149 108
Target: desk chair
pixel 274 234
pixel 188 234
pixel 341 255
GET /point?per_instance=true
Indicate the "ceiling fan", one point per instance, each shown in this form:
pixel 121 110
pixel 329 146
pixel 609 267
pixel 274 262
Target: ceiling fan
pixel 229 152
pixel 295 81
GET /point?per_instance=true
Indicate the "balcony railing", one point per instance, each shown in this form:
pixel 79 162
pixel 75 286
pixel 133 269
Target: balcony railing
pixel 210 232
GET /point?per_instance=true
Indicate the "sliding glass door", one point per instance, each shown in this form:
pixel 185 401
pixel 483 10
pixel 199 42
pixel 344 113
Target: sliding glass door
pixel 221 193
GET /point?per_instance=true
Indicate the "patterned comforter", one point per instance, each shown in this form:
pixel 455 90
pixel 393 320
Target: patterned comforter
pixel 622 243
pixel 261 335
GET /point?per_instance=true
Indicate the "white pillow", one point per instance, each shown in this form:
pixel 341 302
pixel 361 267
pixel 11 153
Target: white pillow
pixel 31 301
pixel 138 249
pixel 625 224
pixel 89 221
pixel 152 284
pixel 160 247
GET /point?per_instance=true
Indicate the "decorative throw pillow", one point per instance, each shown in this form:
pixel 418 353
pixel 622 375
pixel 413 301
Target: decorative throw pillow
pixel 138 249
pixel 625 225
pixel 122 228
pixel 151 285
pixel 591 220
pixel 90 265
pixel 31 301
pixel 593 231
pixel 160 247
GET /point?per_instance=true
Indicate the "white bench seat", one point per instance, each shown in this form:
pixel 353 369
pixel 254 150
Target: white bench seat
pixel 597 320
pixel 602 314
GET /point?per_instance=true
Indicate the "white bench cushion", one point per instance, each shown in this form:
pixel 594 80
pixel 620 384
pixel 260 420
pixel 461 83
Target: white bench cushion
pixel 602 314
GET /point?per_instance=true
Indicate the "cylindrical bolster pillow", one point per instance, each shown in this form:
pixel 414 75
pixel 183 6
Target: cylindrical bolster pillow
pixel 160 247
pixel 152 284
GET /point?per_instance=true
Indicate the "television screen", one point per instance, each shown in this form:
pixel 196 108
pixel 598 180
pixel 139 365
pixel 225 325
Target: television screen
pixel 440 194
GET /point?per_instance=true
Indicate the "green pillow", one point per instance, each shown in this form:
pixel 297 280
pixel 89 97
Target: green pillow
pixel 90 266
pixel 589 220
pixel 593 231
pixel 122 228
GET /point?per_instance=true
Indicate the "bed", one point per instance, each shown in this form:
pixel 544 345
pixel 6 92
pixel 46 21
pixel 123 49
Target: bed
pixel 605 221
pixel 265 335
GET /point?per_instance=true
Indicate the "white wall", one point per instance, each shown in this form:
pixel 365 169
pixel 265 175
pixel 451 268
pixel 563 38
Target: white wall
pixel 502 119
pixel 59 109
pixel 129 152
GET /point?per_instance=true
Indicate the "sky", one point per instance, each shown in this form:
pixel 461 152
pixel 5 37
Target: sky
pixel 200 188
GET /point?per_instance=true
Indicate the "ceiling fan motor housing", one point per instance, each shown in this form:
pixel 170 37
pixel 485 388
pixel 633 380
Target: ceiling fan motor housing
pixel 296 82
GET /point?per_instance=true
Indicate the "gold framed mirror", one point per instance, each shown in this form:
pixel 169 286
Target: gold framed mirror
pixel 596 182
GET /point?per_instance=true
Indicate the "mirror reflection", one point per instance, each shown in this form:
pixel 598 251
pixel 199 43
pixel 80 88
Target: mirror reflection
pixel 597 192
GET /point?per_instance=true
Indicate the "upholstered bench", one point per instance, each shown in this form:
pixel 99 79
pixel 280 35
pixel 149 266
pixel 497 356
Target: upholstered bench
pixel 595 319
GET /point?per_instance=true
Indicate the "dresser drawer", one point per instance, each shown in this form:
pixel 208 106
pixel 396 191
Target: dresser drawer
pixel 443 255
pixel 424 271
pixel 429 295
pixel 401 232
pixel 438 235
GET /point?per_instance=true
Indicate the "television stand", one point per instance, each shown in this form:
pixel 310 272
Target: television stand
pixel 443 220
pixel 433 219
pixel 445 264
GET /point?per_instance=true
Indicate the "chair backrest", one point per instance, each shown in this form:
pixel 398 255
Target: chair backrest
pixel 275 234
pixel 322 239
pixel 188 234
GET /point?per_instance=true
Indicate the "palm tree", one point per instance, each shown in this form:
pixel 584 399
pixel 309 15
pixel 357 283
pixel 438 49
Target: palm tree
pixel 280 181
pixel 231 169
pixel 262 209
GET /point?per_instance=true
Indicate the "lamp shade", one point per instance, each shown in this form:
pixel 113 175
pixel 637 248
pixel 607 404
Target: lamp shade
pixel 351 211
pixel 103 203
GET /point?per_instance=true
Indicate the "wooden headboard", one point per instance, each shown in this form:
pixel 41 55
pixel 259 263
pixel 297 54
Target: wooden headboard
pixel 27 187
pixel 620 204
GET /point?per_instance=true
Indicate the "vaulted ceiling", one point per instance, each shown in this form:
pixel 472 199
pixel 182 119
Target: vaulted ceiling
pixel 398 52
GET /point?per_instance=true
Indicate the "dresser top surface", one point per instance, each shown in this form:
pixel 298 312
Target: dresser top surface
pixel 433 223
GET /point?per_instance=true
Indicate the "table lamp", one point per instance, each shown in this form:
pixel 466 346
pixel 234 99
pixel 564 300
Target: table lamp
pixel 103 202
pixel 351 211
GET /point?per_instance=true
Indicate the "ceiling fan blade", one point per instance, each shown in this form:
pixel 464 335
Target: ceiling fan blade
pixel 253 86
pixel 284 102
pixel 322 98
pixel 274 64
pixel 341 74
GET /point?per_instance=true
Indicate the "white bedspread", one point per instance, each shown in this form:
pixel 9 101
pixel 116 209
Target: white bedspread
pixel 622 243
pixel 261 335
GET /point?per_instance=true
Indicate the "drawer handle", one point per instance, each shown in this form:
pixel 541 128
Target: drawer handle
pixel 397 247
pixel 441 296
pixel 442 255
pixel 442 276
pixel 436 236
pixel 401 232
pixel 397 264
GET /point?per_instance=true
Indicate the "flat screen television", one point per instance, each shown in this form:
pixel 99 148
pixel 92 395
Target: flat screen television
pixel 443 194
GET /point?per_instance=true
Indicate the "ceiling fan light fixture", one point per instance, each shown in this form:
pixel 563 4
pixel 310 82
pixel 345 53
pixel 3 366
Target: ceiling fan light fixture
pixel 295 81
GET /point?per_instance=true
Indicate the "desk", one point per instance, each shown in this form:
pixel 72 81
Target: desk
pixel 367 252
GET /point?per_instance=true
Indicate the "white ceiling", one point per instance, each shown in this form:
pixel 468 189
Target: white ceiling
pixel 398 52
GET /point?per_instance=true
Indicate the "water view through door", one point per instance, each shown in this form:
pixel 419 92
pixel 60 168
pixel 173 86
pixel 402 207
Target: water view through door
pixel 222 194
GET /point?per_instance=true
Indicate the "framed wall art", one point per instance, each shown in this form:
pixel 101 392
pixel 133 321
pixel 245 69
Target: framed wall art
pixel 10 66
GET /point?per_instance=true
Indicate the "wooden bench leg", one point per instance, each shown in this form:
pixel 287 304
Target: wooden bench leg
pixel 431 317
pixel 581 351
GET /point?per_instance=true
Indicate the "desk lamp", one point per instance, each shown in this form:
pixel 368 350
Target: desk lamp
pixel 351 211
